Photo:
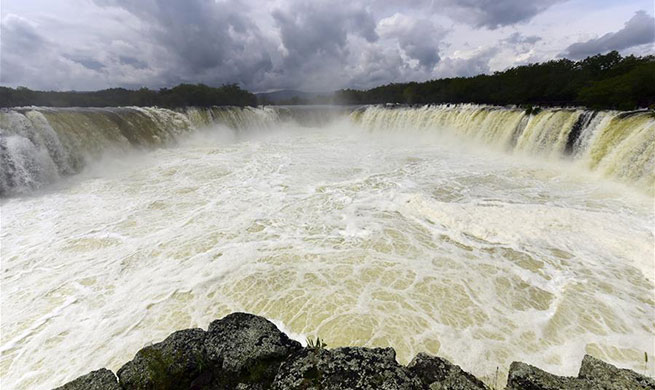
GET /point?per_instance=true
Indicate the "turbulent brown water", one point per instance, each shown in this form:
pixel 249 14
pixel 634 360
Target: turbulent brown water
pixel 481 234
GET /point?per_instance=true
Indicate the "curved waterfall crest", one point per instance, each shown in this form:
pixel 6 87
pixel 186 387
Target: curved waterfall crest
pixel 620 145
pixel 38 145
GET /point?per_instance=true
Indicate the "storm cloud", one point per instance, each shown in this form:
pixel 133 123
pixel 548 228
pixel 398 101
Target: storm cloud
pixel 417 38
pixel 478 63
pixel 639 30
pixel 496 13
pixel 318 41
pixel 520 39
pixel 206 40
pixel 490 14
pixel 294 44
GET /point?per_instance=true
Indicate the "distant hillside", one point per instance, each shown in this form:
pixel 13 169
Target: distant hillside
pixel 180 96
pixel 290 96
pixel 607 81
pixel 601 82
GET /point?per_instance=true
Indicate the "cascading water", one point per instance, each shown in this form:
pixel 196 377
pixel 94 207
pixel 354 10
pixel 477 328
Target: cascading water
pixel 376 228
pixel 619 145
pixel 38 145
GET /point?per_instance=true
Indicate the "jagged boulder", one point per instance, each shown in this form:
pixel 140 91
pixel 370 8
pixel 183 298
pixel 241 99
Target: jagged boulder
pixel 612 378
pixel 247 352
pixel 345 368
pixel 101 379
pixel 594 375
pixel 523 376
pixel 177 363
pixel 440 374
pixel 247 349
pixel 238 351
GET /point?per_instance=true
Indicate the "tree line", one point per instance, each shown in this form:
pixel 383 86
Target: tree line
pixel 183 95
pixel 607 81
pixel 603 81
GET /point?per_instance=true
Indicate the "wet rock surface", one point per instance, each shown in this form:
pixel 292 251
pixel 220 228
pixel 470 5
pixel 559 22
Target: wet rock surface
pixel 439 373
pixel 612 378
pixel 247 349
pixel 523 376
pixel 594 375
pixel 247 352
pixel 345 368
pixel 102 379
pixel 178 362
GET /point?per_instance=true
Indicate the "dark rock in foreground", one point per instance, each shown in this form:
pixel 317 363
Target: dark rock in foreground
pixel 238 349
pixel 178 362
pixel 439 373
pixel 248 352
pixel 594 375
pixel 605 374
pixel 248 348
pixel 526 377
pixel 345 368
pixel 102 379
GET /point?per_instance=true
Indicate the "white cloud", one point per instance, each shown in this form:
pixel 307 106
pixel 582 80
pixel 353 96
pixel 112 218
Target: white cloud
pixel 418 38
pixel 639 30
pixel 263 45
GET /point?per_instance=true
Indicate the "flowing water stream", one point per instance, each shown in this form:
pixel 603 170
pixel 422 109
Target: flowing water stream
pixel 480 234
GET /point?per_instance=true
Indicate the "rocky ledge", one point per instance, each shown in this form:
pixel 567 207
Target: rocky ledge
pixel 243 351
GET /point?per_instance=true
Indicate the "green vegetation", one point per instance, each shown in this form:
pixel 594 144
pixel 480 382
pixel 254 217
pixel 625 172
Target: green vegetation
pixel 600 82
pixel 645 362
pixel 603 81
pixel 199 95
pixel 313 375
pixel 316 345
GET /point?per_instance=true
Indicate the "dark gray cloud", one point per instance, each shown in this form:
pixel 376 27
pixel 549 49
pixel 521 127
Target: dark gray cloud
pixel 86 62
pixel 133 62
pixel 264 45
pixel 497 13
pixel 20 36
pixel 33 56
pixel 418 38
pixel 21 41
pixel 470 66
pixel 639 30
pixel 215 42
pixel 520 39
pixel 316 39
pixel 490 14
pixel 207 41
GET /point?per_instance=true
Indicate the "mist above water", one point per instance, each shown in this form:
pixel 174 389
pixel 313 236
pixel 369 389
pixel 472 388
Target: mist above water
pixel 376 229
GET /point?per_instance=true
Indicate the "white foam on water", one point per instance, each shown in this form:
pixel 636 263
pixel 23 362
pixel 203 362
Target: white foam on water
pixel 404 240
pixel 299 337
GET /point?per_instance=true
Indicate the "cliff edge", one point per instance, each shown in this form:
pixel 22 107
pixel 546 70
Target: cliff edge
pixel 243 351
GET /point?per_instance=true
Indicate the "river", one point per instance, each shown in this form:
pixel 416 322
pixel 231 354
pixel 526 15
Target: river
pixel 357 232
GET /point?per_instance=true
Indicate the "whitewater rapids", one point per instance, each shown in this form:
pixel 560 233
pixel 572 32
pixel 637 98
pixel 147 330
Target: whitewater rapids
pixel 353 231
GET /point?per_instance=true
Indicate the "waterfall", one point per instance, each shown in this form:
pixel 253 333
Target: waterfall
pixel 233 117
pixel 619 145
pixel 39 145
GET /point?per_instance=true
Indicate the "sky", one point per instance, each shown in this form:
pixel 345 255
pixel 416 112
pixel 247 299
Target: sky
pixel 320 45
